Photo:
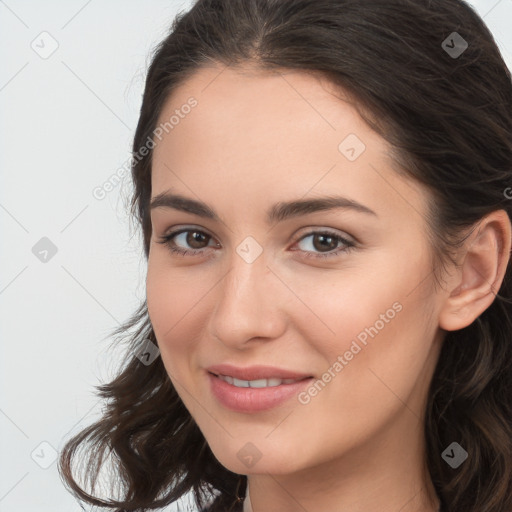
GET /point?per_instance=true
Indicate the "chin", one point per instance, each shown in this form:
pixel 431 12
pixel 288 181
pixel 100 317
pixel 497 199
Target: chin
pixel 275 464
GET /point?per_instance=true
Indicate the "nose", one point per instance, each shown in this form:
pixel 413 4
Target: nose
pixel 249 304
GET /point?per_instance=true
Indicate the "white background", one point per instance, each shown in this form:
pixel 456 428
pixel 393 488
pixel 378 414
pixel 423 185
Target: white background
pixel 67 124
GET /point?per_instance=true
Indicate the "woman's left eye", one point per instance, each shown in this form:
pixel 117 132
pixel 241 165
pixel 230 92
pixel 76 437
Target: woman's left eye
pixel 319 240
pixel 326 240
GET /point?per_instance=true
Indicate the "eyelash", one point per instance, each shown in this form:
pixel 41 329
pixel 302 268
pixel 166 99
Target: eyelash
pixel 167 240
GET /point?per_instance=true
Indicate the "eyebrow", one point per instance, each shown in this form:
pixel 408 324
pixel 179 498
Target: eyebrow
pixel 277 213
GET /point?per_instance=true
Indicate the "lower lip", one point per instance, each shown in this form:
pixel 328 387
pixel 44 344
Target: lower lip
pixel 254 399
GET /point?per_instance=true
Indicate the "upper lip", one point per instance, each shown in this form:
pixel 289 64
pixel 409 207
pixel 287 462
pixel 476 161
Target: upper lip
pixel 255 372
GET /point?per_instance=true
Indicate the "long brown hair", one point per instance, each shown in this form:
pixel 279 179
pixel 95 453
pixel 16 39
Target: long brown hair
pixel 446 111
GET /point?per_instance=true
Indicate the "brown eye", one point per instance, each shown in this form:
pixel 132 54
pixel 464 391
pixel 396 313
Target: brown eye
pixel 195 239
pixel 324 244
pixel 186 241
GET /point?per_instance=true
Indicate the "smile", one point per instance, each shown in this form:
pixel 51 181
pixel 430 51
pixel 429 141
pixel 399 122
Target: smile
pixel 259 383
pixel 252 396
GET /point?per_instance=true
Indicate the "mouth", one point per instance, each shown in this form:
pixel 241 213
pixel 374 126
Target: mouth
pixel 256 375
pixel 254 395
pixel 256 383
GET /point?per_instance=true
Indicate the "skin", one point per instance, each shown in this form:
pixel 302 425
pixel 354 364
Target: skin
pixel 255 139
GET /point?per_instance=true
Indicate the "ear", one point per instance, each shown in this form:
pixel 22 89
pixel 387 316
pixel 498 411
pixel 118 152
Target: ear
pixel 473 287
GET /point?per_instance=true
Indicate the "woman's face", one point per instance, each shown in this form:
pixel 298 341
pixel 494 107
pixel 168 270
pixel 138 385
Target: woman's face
pixel 341 294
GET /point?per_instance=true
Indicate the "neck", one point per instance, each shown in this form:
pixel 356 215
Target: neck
pixel 421 500
pixel 385 478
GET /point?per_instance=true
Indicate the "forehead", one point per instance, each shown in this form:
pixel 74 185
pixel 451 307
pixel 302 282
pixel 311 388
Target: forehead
pixel 226 95
pixel 266 132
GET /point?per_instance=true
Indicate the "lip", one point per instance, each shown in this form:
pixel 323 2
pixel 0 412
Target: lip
pixel 252 400
pixel 255 372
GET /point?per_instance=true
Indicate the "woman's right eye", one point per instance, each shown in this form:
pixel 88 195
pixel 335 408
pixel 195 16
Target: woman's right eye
pixel 188 237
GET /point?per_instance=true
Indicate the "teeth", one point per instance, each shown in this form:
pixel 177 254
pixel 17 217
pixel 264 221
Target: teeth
pixel 260 383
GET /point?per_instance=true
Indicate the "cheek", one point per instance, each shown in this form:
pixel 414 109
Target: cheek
pixel 173 301
pixel 338 306
pixel 372 327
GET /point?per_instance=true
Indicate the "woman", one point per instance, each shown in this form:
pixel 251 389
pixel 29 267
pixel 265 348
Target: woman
pixel 324 193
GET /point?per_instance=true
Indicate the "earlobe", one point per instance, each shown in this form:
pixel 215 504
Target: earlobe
pixel 478 279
